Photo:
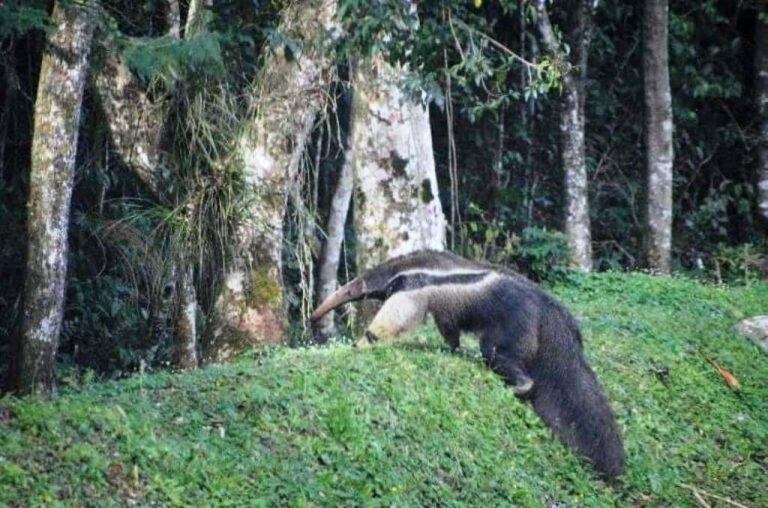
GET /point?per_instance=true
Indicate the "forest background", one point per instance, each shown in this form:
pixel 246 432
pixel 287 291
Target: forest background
pixel 230 162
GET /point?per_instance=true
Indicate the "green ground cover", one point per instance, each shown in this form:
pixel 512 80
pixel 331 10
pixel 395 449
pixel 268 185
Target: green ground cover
pixel 413 424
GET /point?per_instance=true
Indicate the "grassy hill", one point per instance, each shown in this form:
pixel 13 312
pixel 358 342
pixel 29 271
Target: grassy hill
pixel 412 424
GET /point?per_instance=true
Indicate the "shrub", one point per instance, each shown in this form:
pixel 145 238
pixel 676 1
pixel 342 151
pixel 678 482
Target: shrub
pixel 540 253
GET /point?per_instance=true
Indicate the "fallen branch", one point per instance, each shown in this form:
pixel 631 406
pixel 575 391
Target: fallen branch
pixel 697 492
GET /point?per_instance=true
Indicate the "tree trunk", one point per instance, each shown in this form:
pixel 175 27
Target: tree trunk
pixel 658 136
pixel 329 265
pixel 289 92
pixel 136 123
pixel 761 86
pixel 186 321
pixel 572 116
pixel 195 17
pixel 162 310
pixel 397 206
pixel 54 149
pixel 173 17
pixel 186 332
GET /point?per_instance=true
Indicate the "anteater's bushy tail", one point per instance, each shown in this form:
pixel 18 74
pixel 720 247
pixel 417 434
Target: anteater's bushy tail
pixel 569 398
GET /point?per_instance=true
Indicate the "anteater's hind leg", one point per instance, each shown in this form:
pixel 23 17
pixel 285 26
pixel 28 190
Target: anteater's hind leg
pixel 401 313
pixel 507 354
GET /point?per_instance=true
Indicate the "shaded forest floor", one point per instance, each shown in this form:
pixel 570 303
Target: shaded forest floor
pixel 412 424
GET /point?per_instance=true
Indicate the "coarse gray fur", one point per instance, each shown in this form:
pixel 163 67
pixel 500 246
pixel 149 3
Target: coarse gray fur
pixel 525 335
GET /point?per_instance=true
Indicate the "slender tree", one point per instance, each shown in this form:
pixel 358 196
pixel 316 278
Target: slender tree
pixel 173 17
pixel 187 336
pixel 186 320
pixel 289 91
pixel 761 87
pixel 54 149
pixel 572 121
pixel 658 136
pixel 329 264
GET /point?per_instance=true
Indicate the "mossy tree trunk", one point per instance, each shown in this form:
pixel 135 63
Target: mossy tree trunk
pixel 658 136
pixel 289 92
pixel 396 203
pixel 572 142
pixel 54 149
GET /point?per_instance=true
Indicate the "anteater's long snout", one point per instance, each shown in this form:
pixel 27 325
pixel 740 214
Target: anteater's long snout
pixel 355 290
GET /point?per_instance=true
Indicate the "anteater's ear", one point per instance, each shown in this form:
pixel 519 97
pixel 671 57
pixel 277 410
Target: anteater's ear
pixel 355 290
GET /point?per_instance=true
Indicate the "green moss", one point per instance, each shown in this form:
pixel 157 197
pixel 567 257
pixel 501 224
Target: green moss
pixel 360 199
pixel 265 288
pixel 426 191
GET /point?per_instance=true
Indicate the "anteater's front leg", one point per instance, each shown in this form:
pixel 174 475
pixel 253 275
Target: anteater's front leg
pixel 401 313
pixel 451 333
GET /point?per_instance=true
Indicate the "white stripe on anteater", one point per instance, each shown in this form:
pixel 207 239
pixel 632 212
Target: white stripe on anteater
pixel 438 273
pixel 406 310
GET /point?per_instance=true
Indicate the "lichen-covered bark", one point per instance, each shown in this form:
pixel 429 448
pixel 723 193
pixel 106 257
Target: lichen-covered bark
pixel 761 88
pixel 397 208
pixel 329 265
pixel 136 123
pixel 173 17
pixel 289 92
pixel 54 146
pixel 658 136
pixel 186 321
pixel 187 337
pixel 577 227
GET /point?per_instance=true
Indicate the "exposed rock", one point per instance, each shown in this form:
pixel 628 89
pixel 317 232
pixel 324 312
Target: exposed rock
pixel 755 328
